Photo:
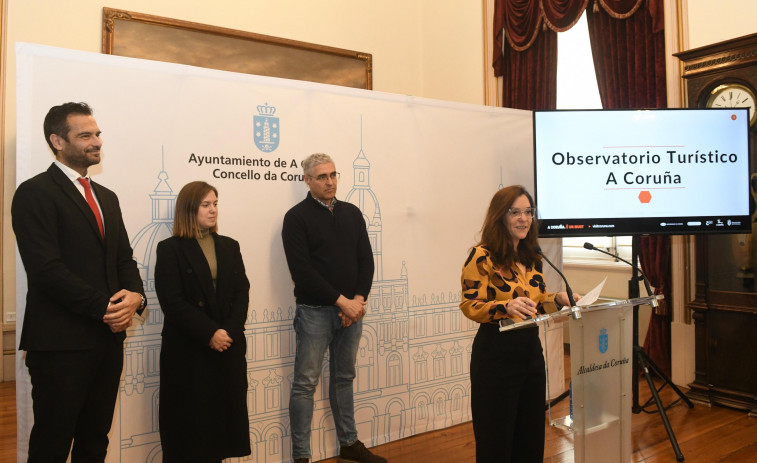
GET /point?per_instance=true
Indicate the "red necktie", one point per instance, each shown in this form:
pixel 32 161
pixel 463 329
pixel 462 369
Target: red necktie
pixel 92 204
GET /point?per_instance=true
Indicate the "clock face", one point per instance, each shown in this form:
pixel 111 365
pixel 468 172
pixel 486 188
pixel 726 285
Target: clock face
pixel 733 96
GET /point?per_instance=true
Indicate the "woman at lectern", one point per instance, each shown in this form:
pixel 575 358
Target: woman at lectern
pixel 502 281
pixel 204 294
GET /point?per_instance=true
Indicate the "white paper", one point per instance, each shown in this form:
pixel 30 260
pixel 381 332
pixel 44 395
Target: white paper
pixel 592 296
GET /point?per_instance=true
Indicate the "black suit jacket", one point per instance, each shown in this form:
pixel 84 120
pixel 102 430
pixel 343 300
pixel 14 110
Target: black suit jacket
pixel 71 272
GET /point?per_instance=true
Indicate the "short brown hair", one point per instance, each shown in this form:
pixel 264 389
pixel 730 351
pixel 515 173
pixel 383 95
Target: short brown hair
pixel 187 204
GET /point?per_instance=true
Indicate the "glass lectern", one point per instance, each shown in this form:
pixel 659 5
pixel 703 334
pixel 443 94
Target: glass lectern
pixel 601 359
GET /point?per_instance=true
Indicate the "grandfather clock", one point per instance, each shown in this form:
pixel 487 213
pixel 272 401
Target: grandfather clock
pixel 725 306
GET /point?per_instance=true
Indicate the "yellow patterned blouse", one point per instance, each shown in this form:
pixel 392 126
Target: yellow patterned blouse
pixel 486 290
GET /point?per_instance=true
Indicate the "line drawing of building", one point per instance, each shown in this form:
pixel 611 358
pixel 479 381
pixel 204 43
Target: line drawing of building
pixel 412 364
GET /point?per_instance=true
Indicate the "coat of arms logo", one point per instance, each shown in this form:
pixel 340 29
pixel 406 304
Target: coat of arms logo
pixel 266 128
pixel 603 340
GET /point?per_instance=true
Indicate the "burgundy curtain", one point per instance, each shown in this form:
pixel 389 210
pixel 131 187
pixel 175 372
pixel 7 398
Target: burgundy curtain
pixel 531 78
pixel 654 256
pixel 628 44
pixel 525 48
pixel 628 50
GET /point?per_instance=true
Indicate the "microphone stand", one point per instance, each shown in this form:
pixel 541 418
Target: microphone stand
pixel 640 358
pixel 572 302
pixel 567 286
pixel 636 270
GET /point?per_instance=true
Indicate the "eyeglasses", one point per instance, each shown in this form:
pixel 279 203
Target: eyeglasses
pixel 516 213
pixel 334 176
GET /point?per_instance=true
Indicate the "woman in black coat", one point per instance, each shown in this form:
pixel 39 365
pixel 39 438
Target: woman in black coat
pixel 204 294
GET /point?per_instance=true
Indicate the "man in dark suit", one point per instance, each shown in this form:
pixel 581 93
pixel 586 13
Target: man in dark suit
pixel 83 290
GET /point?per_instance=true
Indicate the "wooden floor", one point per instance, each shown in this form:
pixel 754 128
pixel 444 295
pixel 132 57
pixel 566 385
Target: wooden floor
pixel 706 435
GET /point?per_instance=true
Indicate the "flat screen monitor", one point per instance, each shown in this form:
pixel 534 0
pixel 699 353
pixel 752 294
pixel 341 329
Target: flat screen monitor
pixel 637 172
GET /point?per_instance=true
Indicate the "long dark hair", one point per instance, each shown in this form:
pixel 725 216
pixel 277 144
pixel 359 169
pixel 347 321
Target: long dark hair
pixel 496 237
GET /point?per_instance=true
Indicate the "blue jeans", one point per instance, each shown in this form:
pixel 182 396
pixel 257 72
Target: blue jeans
pixel 317 328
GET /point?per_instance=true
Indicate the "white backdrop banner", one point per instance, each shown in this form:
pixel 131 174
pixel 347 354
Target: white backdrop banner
pixel 422 172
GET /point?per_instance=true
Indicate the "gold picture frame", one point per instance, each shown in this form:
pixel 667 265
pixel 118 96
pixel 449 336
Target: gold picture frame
pixel 138 35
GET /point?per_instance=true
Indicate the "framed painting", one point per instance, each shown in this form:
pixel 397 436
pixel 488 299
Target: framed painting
pixel 137 35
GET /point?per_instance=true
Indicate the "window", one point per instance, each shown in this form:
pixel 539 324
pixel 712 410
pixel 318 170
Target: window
pixel 457 364
pixel 364 379
pixel 440 406
pixel 573 248
pixel 457 401
pixel 420 326
pixel 420 371
pixel 576 80
pixel 152 361
pixel 438 323
pixel 250 348
pixel 274 444
pixel 394 370
pixel 251 400
pixel 272 346
pixel 577 89
pixel 439 370
pixel 421 409
pixel 455 321
pixel 273 397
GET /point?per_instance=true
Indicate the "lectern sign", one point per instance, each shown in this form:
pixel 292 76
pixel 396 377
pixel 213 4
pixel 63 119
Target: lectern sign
pixel 601 366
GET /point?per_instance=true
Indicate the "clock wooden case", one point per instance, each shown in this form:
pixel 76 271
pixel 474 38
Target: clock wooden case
pixel 724 309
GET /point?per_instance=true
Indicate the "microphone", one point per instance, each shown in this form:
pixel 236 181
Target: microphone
pixel 644 278
pixel 567 286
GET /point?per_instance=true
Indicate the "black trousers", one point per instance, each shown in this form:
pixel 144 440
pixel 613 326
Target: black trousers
pixel 73 399
pixel 508 389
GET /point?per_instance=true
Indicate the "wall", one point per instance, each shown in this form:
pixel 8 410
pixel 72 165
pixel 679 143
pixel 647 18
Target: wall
pixel 712 22
pixel 421 48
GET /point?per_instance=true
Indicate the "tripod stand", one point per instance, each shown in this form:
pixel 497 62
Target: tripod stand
pixel 641 359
